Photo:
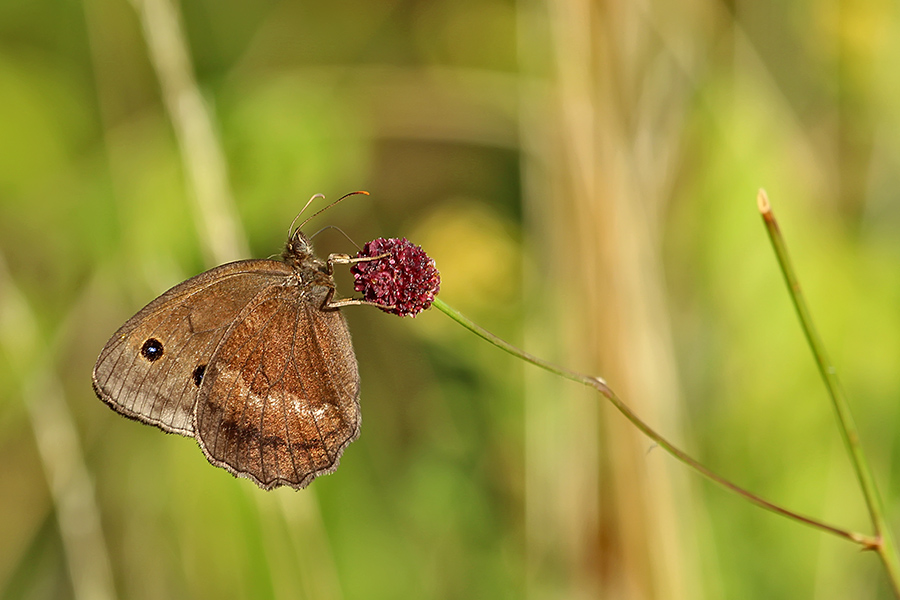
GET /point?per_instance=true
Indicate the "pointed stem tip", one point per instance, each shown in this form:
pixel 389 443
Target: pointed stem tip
pixel 762 201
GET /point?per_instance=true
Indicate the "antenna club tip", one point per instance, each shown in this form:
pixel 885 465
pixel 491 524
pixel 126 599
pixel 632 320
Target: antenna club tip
pixel 319 212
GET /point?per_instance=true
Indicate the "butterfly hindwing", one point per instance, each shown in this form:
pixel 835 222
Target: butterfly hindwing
pixel 280 397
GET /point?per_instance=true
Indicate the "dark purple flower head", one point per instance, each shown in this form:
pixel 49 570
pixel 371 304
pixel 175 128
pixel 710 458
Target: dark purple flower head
pixel 403 283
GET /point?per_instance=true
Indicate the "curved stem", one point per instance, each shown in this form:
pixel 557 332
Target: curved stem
pixel 601 386
pixel 885 545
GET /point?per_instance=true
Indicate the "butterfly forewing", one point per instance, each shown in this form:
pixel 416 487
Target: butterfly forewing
pixel 152 367
pixel 280 399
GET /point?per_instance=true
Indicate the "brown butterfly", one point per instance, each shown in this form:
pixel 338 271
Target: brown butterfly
pixel 252 358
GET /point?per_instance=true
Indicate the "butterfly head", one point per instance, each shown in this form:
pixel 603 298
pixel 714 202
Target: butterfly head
pixel 298 251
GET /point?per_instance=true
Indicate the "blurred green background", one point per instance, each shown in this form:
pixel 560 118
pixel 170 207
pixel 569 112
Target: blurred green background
pixel 583 172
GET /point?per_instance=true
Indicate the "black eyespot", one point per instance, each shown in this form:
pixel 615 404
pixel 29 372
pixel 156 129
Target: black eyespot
pixel 197 375
pixel 152 349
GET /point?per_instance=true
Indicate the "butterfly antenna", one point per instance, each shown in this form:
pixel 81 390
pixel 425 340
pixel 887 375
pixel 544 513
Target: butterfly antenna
pixel 343 233
pixel 305 206
pixel 319 212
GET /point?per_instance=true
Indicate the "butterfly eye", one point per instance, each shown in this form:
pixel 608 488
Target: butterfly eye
pixel 197 375
pixel 152 349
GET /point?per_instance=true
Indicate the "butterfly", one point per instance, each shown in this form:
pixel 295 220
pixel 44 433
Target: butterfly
pixel 253 359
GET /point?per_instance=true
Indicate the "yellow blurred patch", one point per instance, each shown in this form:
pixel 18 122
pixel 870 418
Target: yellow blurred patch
pixel 476 252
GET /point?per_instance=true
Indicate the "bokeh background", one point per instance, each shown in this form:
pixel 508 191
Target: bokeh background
pixel 584 173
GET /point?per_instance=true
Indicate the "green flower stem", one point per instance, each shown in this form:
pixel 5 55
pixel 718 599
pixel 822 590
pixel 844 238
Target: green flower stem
pixel 601 386
pixel 884 542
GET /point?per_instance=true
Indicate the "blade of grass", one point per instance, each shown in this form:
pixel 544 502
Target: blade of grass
pixel 884 543
pixel 201 152
pixel 59 446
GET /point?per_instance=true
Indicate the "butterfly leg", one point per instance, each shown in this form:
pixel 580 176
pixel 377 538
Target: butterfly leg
pixel 329 303
pixel 345 259
pixel 348 302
